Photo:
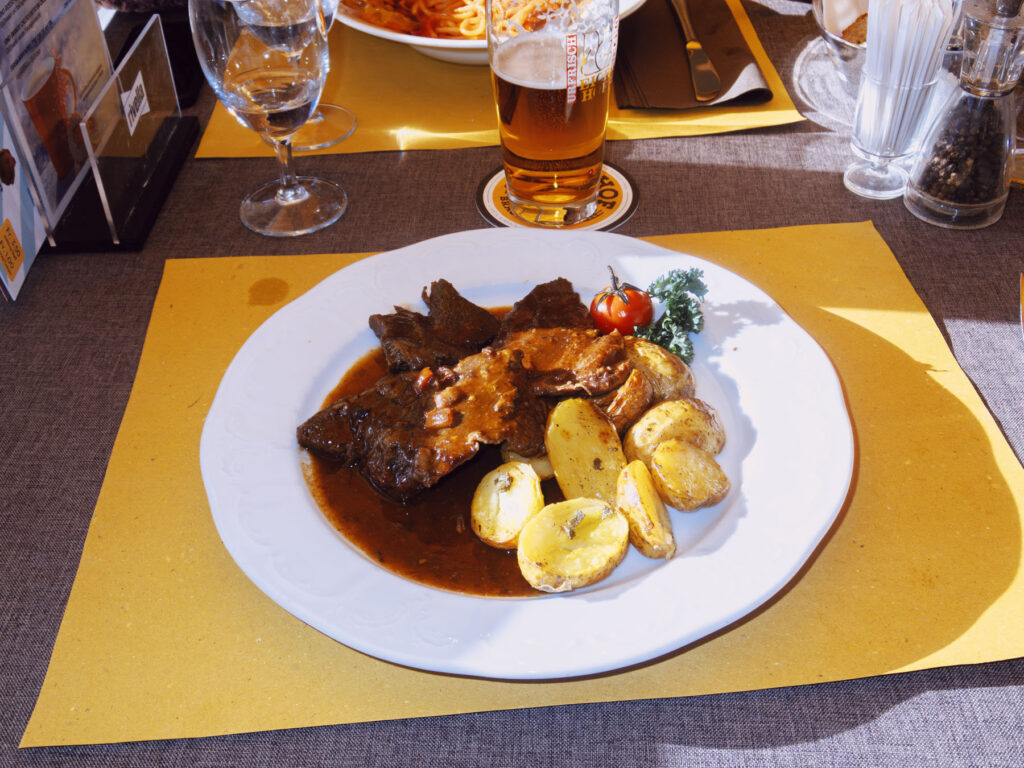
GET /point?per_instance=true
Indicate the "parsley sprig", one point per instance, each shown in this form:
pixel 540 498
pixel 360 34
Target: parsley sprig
pixel 681 292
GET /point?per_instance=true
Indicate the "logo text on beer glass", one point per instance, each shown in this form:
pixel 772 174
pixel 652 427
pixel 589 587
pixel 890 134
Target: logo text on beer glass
pixel 598 52
pixel 571 68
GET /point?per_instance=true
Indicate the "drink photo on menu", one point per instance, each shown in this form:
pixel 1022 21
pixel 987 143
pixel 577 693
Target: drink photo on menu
pixel 52 83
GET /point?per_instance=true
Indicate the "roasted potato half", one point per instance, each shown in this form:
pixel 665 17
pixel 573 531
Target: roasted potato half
pixel 504 500
pixel 584 450
pixel 571 544
pixel 541 464
pixel 686 476
pixel 670 377
pixel 650 528
pixel 690 419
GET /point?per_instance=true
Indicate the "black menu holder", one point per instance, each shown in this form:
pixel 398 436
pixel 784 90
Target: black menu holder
pixel 137 140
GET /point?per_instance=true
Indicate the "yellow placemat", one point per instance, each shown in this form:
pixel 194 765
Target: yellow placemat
pixel 164 637
pixel 405 100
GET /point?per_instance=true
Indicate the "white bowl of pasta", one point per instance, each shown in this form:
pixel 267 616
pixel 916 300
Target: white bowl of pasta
pixel 449 30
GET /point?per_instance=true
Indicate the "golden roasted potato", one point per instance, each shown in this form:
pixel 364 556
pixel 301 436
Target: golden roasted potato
pixel 504 500
pixel 571 544
pixel 670 377
pixel 686 476
pixel 541 464
pixel 584 450
pixel 650 528
pixel 626 404
pixel 690 419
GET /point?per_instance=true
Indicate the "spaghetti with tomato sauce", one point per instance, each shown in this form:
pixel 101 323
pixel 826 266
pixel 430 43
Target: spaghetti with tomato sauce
pixel 453 19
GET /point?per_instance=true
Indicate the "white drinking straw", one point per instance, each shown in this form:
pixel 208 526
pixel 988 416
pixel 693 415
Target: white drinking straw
pixel 905 43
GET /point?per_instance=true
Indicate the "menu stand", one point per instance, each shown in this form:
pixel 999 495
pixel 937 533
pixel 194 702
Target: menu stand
pixel 137 141
pixel 188 75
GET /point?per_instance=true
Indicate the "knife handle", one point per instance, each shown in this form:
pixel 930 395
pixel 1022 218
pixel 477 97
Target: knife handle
pixel 706 82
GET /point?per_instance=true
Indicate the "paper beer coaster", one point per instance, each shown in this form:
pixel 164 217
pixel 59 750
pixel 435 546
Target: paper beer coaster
pixel 616 202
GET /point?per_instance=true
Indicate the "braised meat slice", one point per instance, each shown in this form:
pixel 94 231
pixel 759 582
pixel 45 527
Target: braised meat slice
pixel 409 341
pixel 489 401
pixel 336 431
pixel 568 361
pixel 410 430
pixel 453 328
pixel 458 320
pixel 623 406
pixel 554 304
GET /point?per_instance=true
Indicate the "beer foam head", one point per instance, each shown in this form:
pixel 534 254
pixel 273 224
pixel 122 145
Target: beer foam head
pixel 534 62
pixel 36 75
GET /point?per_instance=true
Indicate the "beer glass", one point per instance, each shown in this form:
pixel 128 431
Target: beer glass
pixel 551 67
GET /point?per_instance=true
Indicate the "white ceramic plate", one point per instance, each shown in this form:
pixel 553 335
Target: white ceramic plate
pixel 789 456
pixel 455 51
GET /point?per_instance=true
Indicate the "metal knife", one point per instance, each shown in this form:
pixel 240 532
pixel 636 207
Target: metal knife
pixel 706 83
pixel 1022 303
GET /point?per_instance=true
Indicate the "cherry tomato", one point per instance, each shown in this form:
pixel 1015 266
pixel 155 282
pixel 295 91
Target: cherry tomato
pixel 621 307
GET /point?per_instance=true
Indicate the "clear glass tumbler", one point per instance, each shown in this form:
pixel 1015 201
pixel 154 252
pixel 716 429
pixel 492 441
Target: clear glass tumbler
pixel 331 123
pixel 906 43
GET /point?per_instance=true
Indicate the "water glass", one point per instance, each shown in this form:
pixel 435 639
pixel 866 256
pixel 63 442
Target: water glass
pixel 267 61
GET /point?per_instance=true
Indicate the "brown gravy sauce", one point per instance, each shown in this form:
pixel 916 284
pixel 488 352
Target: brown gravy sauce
pixel 428 540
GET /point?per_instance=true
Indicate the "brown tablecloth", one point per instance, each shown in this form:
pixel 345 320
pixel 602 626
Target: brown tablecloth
pixel 71 344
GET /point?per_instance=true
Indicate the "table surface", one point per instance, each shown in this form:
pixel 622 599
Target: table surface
pixel 71 344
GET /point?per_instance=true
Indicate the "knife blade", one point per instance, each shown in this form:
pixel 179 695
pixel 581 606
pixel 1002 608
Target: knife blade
pixel 1022 304
pixel 706 83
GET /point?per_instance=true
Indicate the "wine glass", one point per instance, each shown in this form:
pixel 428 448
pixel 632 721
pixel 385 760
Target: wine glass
pixel 330 123
pixel 267 61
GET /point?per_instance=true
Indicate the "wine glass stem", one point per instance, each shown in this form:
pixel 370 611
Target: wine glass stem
pixel 291 190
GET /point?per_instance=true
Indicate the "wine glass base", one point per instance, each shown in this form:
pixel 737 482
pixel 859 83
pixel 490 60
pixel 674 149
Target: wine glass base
pixel 829 91
pixel 311 205
pixel 327 126
pixel 877 181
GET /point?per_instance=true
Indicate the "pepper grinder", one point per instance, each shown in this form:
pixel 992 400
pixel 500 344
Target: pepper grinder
pixel 960 177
